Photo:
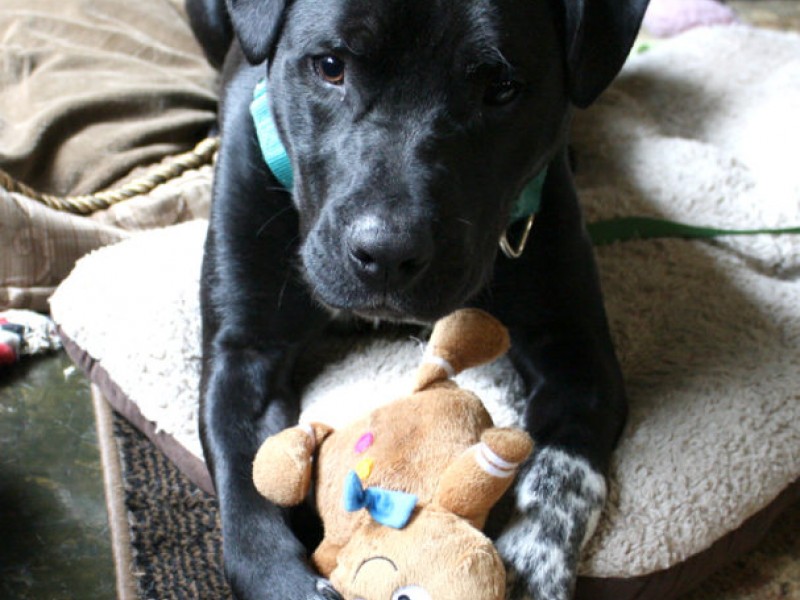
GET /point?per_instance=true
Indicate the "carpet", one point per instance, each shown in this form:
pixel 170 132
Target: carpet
pixel 165 532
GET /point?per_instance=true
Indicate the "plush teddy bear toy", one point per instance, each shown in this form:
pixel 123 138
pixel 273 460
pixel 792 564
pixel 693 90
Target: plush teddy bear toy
pixel 426 468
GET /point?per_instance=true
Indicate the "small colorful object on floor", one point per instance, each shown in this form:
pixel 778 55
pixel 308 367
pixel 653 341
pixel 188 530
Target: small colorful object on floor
pixel 24 332
pixel 667 18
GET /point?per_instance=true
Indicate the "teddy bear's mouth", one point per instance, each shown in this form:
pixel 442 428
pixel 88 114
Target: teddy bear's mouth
pixel 368 560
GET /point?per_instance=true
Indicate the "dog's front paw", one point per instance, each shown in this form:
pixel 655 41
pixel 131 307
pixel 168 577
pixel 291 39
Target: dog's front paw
pixel 287 588
pixel 326 590
pixel 280 580
pixel 559 499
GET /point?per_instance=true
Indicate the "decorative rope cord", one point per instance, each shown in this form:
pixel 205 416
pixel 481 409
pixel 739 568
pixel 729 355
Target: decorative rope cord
pixel 200 155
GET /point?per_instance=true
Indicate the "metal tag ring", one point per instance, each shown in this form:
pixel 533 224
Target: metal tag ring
pixel 508 249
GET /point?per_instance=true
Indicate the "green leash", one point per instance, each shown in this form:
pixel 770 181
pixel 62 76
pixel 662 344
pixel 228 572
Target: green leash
pixel 624 229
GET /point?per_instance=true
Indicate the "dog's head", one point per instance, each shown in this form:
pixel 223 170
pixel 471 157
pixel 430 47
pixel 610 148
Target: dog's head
pixel 413 125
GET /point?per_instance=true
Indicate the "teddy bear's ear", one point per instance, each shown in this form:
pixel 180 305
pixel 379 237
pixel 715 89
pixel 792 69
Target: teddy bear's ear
pixel 466 338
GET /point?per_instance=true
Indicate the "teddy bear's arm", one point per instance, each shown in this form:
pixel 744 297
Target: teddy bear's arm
pixel 477 479
pixel 282 466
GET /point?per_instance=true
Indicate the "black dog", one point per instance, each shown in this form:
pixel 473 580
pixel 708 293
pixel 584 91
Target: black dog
pixel 412 127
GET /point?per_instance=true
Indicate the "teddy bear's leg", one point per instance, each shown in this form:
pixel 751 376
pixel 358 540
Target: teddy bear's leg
pixel 325 557
pixel 466 338
pixel 282 466
pixel 477 479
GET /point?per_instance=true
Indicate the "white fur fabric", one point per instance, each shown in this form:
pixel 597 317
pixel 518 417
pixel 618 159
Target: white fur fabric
pixel 702 129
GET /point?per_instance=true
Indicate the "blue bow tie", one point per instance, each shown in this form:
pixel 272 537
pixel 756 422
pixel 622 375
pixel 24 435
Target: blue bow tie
pixel 386 507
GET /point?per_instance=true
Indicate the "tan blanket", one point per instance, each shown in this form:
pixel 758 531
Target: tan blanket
pixel 89 91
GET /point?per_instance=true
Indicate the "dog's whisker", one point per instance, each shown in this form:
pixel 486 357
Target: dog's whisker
pixel 282 291
pixel 292 242
pixel 272 218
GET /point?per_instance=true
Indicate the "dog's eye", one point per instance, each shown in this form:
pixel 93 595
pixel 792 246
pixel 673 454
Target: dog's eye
pixel 330 68
pixel 502 92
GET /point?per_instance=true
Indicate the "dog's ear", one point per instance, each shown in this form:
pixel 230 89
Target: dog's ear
pixel 257 24
pixel 599 36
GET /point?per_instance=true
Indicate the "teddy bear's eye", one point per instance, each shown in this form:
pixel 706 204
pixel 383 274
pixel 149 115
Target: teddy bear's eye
pixel 411 592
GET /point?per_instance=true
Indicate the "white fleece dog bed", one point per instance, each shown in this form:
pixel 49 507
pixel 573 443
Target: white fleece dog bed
pixel 702 129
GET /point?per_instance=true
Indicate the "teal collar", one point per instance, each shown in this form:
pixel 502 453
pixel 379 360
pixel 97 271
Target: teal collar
pixel 271 146
pixel 530 200
pixel 278 162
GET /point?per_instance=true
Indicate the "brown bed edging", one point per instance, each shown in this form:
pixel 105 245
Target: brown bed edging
pixel 115 498
pixel 189 464
pixel 673 582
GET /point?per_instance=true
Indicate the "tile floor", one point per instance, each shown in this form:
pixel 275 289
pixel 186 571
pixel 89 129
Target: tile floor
pixel 54 541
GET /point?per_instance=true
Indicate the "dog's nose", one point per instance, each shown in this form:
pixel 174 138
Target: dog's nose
pixel 389 255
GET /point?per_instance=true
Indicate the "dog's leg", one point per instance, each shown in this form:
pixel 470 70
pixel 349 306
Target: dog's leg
pixel 256 316
pixel 244 401
pixel 550 299
pixel 559 500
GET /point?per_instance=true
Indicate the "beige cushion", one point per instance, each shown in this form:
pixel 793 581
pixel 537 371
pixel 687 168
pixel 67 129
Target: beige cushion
pixel 40 245
pixel 708 333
